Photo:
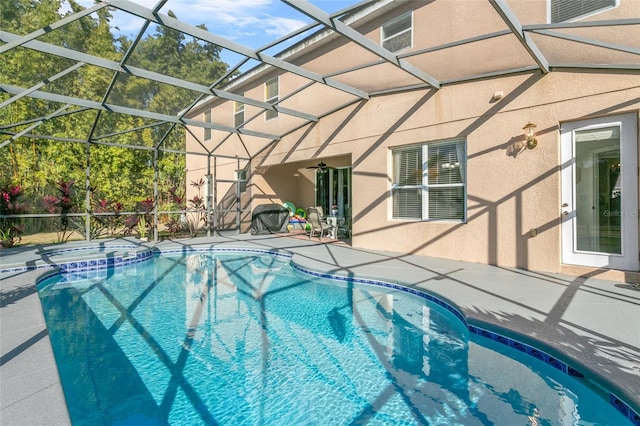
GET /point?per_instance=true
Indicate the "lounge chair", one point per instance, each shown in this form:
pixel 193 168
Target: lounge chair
pixel 317 225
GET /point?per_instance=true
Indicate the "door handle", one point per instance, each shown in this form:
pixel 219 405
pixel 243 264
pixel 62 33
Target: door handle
pixel 564 213
pixel 565 205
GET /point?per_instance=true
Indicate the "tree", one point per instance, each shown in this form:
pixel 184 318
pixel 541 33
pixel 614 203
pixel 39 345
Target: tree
pixel 121 175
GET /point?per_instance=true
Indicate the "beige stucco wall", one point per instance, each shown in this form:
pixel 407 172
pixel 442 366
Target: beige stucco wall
pixel 510 191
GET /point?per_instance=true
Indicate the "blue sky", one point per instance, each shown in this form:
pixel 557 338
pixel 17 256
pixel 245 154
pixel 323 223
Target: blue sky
pixel 252 23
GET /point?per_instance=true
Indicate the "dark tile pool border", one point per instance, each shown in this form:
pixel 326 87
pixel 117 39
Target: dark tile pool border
pixel 80 269
pixel 438 301
pixel 563 367
pixel 56 252
pixel 103 262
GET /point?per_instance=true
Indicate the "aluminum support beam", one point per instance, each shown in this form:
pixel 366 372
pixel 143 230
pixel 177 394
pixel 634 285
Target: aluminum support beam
pixel 340 27
pixel 204 35
pixel 591 42
pixel 121 145
pixel 619 67
pixel 123 61
pixel 134 112
pixel 33 126
pixel 513 23
pixel 41 84
pixel 150 75
pixel 582 24
pixel 35 34
pixel 33 120
pixel 45 137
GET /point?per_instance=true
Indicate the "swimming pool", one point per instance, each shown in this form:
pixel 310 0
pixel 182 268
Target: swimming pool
pixel 241 338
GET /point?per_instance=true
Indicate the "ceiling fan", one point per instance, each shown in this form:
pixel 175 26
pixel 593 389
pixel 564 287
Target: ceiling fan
pixel 321 166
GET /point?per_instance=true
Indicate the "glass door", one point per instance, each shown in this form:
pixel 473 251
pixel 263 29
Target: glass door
pixel 333 188
pixel 600 193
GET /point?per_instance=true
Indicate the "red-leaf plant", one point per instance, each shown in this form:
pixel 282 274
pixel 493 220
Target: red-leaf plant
pixel 10 228
pixel 111 221
pixel 61 204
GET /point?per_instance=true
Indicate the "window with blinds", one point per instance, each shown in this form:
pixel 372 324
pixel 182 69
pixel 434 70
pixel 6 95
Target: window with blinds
pixel 397 34
pixel 567 10
pixel 271 96
pixel 429 182
pixel 207 119
pixel 238 114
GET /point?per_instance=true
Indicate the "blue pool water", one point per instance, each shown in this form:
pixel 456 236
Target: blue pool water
pixel 244 339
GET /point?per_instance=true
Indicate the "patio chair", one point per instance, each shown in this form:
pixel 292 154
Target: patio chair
pixel 317 225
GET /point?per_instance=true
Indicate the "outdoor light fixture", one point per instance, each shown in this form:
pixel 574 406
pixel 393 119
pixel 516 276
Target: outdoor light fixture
pixel 530 135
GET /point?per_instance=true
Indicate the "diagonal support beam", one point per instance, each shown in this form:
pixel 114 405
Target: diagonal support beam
pixel 41 84
pixel 34 125
pixel 150 75
pixel 133 129
pixel 33 120
pixel 22 40
pixel 123 61
pixel 591 42
pixel 340 27
pixel 201 34
pixel 132 111
pixel 516 28
pixel 582 24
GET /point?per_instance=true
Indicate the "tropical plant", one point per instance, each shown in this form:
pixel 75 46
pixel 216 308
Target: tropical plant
pixel 119 171
pixel 145 209
pixel 196 213
pixel 142 227
pixel 130 222
pixel 62 204
pixel 8 239
pixel 10 228
pixel 108 218
pixel 175 225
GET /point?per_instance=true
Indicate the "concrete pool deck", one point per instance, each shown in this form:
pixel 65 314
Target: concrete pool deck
pixel 590 323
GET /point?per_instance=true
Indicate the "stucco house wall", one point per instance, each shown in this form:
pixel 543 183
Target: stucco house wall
pixel 513 194
pixel 510 191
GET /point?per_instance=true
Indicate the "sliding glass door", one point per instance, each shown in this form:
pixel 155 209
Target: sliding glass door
pixel 333 188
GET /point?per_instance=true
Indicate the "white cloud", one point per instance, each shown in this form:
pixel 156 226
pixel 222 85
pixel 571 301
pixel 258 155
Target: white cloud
pixel 239 19
pixel 280 26
pixel 252 23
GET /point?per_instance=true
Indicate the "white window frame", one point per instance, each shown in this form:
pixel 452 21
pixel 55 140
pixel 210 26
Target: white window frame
pixel 270 114
pixel 240 176
pixel 207 119
pixel 238 112
pixel 384 37
pixel 425 186
pixel 579 17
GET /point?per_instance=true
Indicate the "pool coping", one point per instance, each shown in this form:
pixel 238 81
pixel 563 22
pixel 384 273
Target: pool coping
pixel 574 370
pixel 520 341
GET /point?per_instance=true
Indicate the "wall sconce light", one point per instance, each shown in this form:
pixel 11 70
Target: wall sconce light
pixel 529 134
